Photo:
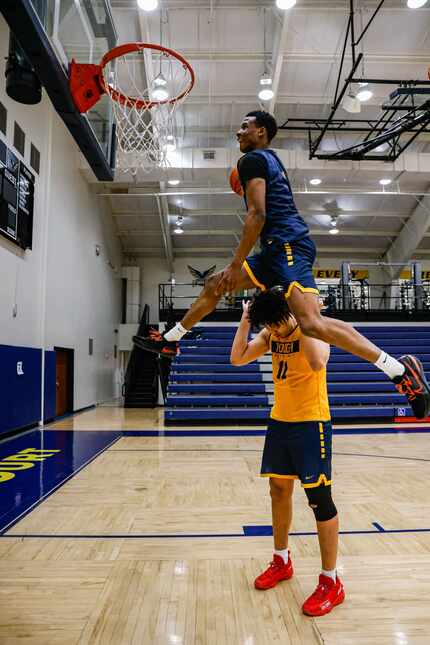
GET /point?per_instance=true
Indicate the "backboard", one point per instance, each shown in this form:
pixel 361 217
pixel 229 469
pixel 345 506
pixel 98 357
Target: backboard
pixel 82 30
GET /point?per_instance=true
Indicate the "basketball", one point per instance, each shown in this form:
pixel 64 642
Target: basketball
pixel 235 184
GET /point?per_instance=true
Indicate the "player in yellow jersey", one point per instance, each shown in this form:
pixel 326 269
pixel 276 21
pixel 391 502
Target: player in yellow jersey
pixel 298 439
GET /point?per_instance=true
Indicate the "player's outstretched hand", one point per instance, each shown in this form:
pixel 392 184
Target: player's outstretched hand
pixel 245 308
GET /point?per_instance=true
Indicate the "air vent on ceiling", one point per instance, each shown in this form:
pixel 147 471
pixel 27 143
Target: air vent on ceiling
pixel 208 155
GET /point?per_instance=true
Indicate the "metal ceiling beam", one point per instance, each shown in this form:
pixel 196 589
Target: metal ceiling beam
pixel 231 232
pixel 231 213
pixel 414 230
pixel 278 57
pixel 253 56
pixel 297 191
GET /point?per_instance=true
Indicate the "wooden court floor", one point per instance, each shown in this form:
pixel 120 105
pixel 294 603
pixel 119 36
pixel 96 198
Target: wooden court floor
pixel 145 560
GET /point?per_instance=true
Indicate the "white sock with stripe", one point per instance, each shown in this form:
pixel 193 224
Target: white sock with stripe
pixel 176 333
pixel 389 365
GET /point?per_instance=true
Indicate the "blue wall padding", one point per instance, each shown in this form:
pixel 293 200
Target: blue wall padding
pixel 20 393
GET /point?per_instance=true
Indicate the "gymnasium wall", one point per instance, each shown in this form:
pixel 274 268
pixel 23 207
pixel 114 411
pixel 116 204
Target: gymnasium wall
pixel 62 292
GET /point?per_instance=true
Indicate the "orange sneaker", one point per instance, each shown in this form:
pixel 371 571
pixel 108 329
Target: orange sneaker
pixel 276 571
pixel 327 595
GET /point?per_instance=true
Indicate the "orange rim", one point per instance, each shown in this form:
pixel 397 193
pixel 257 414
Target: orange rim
pixel 139 104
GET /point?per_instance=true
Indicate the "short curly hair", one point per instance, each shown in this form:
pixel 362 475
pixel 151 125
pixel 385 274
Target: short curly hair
pixel 265 120
pixel 269 308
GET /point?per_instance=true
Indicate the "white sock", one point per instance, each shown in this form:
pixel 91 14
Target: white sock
pixel 176 333
pixel 329 574
pixel 283 553
pixel 389 365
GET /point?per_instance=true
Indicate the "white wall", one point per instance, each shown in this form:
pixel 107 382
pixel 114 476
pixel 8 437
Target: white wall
pixel 64 293
pixel 154 271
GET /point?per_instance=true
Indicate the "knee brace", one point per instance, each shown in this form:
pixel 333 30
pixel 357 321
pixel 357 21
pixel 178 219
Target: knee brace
pixel 321 503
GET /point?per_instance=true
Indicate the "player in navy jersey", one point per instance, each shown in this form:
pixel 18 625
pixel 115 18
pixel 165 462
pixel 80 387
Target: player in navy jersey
pixel 286 257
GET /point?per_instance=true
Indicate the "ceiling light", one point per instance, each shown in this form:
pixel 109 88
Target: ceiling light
pixel 170 144
pixel 385 182
pixel 334 231
pixel 285 4
pixel 364 95
pixel 363 84
pixel 416 4
pixel 178 229
pixel 315 181
pixel 174 182
pixel 266 95
pixel 266 92
pixel 147 5
pixel 351 104
pixel 159 80
pixel 160 93
pixel 266 79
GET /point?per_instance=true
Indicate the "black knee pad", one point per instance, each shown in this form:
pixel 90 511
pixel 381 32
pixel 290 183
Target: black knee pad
pixel 321 503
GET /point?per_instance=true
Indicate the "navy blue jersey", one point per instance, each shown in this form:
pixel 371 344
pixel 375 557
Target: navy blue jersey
pixel 283 221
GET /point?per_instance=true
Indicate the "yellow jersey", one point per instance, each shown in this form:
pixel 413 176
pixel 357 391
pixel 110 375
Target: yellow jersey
pixel 300 392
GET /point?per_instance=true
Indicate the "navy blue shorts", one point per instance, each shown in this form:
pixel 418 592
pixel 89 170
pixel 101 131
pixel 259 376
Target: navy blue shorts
pixel 286 264
pixel 298 451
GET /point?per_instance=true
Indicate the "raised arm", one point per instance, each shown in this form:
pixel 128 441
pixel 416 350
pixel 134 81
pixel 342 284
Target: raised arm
pixel 242 351
pixel 317 352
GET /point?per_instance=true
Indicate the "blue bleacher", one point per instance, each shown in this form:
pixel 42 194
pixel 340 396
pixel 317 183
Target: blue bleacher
pixel 205 388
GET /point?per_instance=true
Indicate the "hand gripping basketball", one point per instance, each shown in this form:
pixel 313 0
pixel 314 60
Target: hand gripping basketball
pixel 235 182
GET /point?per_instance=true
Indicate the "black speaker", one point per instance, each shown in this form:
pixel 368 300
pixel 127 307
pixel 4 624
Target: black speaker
pixel 22 84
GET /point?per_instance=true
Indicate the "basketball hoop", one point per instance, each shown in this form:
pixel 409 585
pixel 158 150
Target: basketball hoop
pixel 146 83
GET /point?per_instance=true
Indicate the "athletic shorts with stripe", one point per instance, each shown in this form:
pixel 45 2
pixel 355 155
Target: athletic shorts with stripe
pixel 283 263
pixel 298 451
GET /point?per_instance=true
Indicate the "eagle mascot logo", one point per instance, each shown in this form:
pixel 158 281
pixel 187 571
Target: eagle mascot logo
pixel 201 276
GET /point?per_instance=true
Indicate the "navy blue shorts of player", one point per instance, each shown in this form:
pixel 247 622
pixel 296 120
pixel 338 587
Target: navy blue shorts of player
pixel 298 451
pixel 284 263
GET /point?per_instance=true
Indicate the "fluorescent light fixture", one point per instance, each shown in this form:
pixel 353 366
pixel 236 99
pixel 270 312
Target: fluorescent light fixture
pixel 285 4
pixel 147 5
pixel 416 4
pixel 315 181
pixel 174 182
pixel 351 104
pixel 363 84
pixel 334 231
pixel 364 95
pixel 385 182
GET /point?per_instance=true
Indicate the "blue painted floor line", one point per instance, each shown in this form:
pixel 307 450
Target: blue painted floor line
pixel 262 432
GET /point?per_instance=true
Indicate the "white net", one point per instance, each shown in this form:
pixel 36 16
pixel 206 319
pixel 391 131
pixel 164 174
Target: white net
pixel 146 87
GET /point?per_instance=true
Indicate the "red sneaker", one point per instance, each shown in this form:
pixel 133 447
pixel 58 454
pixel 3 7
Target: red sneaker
pixel 327 595
pixel 276 572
